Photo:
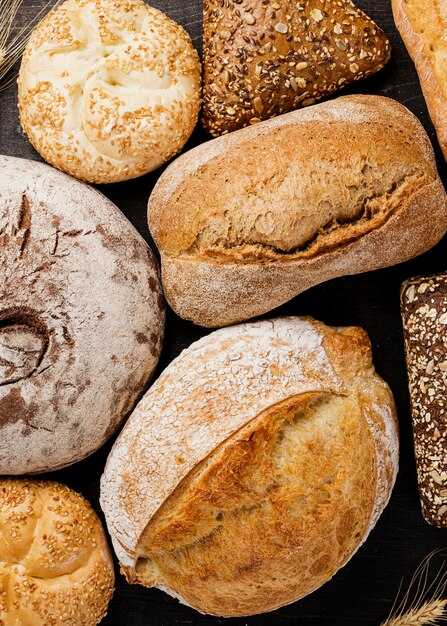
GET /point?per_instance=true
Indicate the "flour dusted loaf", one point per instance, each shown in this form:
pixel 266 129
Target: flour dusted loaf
pixel 254 467
pixel 109 89
pixel 423 27
pixel 247 221
pixel 55 564
pixel 81 318
pixel 263 58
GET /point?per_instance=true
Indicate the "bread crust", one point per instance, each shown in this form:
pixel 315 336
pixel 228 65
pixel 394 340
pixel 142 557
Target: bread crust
pixel 55 564
pixel 81 318
pixel 219 267
pixel 109 90
pixel 191 430
pixel 423 29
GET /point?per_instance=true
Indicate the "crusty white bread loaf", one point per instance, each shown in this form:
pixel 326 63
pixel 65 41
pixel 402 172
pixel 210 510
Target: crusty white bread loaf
pixel 109 89
pixel 423 27
pixel 254 467
pixel 81 318
pixel 55 564
pixel 247 221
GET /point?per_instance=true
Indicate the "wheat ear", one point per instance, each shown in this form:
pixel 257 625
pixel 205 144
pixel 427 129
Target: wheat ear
pixel 428 613
pixel 12 46
pixel 423 603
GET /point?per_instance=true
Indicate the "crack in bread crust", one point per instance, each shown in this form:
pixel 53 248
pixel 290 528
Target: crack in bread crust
pixel 273 490
pixel 254 467
pixel 374 212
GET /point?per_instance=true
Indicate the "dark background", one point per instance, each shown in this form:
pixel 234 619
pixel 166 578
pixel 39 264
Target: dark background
pixel 362 592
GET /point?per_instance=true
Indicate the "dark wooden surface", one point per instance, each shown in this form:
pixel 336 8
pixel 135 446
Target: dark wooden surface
pixel 362 592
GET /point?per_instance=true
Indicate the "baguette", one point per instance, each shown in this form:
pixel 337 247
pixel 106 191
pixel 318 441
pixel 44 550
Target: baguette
pixel 247 221
pixel 421 24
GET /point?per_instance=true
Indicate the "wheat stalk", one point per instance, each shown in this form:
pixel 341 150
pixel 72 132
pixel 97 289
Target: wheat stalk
pixel 428 613
pixel 12 45
pixel 423 603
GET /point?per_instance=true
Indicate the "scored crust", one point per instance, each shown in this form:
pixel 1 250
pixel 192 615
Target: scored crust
pixel 109 89
pixel 81 318
pixel 424 316
pixel 423 25
pixel 55 564
pixel 340 188
pixel 192 423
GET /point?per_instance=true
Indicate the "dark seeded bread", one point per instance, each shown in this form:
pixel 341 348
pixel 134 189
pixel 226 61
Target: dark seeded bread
pixel 263 58
pixel 424 313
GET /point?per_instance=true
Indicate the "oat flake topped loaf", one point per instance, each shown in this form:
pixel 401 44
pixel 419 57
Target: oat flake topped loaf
pixel 262 58
pixel 108 89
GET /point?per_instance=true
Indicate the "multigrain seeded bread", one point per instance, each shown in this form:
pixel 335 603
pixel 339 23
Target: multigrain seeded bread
pixel 55 564
pixel 263 58
pixel 247 221
pixel 423 27
pixel 254 467
pixel 424 314
pixel 108 89
pixel 81 318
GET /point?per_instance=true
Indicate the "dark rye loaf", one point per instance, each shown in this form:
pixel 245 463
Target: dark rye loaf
pixel 424 313
pixel 81 318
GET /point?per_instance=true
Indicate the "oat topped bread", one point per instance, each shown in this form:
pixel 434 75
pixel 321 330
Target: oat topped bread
pixel 265 57
pixel 108 89
pixel 424 314
pixel 55 565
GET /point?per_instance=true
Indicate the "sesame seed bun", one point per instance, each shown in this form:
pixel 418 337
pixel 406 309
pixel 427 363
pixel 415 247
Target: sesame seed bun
pixel 108 89
pixel 55 564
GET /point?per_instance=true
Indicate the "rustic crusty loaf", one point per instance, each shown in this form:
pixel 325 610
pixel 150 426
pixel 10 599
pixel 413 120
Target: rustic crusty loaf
pixel 81 318
pixel 249 220
pixel 424 314
pixel 109 89
pixel 423 27
pixel 55 564
pixel 254 467
pixel 265 58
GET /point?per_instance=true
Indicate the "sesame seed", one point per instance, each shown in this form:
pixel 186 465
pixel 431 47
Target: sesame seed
pixel 281 28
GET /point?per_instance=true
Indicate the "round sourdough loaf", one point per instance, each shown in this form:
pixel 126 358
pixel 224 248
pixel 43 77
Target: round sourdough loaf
pixel 254 467
pixel 109 89
pixel 248 221
pixel 81 318
pixel 55 564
